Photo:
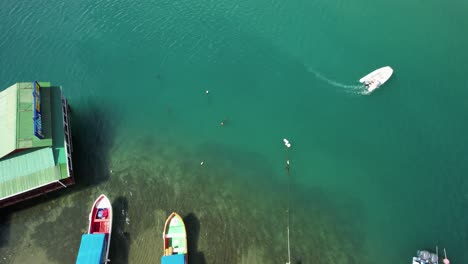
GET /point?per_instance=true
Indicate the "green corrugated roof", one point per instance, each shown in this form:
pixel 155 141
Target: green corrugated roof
pixel 28 171
pixel 42 161
pixel 8 99
pixel 16 118
pixel 27 163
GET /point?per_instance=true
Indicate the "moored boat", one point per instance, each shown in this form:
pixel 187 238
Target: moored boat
pixel 426 257
pixel 175 241
pixel 376 78
pixel 94 247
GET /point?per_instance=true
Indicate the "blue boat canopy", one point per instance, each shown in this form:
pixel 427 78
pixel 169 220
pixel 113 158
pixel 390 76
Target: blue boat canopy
pixel 173 259
pixel 92 249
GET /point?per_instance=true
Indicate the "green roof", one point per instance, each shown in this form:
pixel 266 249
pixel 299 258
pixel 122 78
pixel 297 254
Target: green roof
pixel 8 105
pixel 16 113
pixel 27 162
pixel 28 171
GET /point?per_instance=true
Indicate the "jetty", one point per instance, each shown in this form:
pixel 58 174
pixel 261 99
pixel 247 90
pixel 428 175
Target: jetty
pixel 35 143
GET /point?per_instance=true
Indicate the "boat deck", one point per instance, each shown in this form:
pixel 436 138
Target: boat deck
pixel 176 236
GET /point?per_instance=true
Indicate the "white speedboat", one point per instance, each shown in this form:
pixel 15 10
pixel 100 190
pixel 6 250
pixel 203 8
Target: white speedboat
pixel 376 78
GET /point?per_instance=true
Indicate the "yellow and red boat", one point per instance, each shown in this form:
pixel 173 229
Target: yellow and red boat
pixel 175 241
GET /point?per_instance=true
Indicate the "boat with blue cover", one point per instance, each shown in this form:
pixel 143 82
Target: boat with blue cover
pixel 92 249
pixel 175 241
pixel 94 246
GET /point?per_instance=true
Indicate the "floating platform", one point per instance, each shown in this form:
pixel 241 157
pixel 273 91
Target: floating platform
pixel 36 144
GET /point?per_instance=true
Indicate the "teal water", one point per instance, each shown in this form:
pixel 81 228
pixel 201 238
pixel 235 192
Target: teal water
pixel 373 177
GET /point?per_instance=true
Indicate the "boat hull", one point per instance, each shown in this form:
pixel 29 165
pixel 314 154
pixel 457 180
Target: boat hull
pixel 175 237
pixel 100 220
pixel 377 78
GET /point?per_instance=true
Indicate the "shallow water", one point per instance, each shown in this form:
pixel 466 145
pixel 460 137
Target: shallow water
pixel 373 177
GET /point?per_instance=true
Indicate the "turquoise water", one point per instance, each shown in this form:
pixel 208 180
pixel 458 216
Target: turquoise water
pixel 373 177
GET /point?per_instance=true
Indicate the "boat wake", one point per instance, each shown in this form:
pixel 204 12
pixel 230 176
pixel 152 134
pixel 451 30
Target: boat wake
pixel 353 89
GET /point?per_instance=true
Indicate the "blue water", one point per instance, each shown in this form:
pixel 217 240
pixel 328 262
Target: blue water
pixel 373 177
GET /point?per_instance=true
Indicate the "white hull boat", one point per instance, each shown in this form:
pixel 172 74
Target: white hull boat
pixel 376 78
pixel 94 247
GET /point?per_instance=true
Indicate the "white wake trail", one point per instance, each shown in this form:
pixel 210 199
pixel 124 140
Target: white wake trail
pixel 355 89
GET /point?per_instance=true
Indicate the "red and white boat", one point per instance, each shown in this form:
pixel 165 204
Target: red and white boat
pixel 94 246
pixel 100 220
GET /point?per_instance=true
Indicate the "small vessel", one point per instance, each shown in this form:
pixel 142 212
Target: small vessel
pixel 426 257
pixel 94 247
pixel 175 241
pixel 376 78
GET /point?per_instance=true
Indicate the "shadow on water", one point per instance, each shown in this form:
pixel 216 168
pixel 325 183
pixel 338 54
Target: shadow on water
pixel 93 129
pixel 120 240
pixel 4 227
pixel 49 234
pixel 192 225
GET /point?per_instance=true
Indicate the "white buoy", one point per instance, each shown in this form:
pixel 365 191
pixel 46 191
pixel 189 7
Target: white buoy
pixel 201 163
pixel 207 92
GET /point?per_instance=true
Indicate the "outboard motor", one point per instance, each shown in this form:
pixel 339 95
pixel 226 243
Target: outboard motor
pixel 425 256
